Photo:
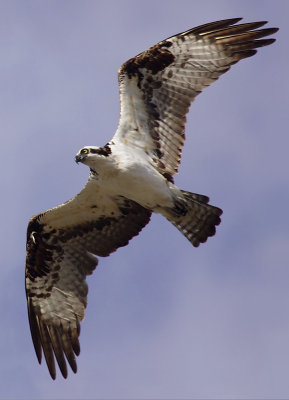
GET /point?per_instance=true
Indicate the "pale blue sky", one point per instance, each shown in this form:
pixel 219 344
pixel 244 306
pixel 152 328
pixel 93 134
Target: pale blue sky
pixel 164 320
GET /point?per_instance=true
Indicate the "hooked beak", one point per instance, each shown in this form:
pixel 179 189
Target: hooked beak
pixel 79 158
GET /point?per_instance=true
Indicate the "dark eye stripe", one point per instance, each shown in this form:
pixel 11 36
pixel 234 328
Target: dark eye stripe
pixel 103 151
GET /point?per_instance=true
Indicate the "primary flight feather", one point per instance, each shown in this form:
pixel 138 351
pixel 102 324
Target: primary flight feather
pixel 130 177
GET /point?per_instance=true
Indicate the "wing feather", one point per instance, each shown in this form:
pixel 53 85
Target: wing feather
pixel 61 244
pixel 57 346
pixel 158 86
pixel 47 348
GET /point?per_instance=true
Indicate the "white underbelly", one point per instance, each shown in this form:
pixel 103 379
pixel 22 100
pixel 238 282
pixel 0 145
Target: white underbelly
pixel 142 184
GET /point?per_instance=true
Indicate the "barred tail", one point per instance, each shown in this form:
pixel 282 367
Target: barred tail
pixel 199 220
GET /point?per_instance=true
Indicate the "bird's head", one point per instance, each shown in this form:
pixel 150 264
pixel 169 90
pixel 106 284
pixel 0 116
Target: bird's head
pixel 91 155
pixel 83 155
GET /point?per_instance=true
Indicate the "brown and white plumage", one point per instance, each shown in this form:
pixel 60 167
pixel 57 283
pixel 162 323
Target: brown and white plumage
pixel 158 86
pixel 60 247
pixel 130 177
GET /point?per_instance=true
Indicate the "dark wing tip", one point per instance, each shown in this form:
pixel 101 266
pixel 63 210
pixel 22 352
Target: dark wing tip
pixel 65 346
pixel 214 26
pixel 264 42
pixel 34 331
pixel 268 31
pixel 55 343
pixel 242 40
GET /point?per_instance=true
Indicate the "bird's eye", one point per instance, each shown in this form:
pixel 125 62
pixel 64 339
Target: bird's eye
pixel 84 151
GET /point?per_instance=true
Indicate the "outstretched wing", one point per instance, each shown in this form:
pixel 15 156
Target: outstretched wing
pixel 158 85
pixel 61 244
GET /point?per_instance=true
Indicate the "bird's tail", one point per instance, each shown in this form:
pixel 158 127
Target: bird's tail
pixel 194 217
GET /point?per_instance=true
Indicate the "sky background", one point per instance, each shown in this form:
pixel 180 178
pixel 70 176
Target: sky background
pixel 164 320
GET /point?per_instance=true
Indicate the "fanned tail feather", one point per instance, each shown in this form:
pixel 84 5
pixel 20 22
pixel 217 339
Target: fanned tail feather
pixel 200 220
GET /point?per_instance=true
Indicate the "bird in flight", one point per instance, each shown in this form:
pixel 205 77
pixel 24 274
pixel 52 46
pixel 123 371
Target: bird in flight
pixel 130 177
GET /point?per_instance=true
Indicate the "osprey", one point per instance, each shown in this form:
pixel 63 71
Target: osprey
pixel 130 177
